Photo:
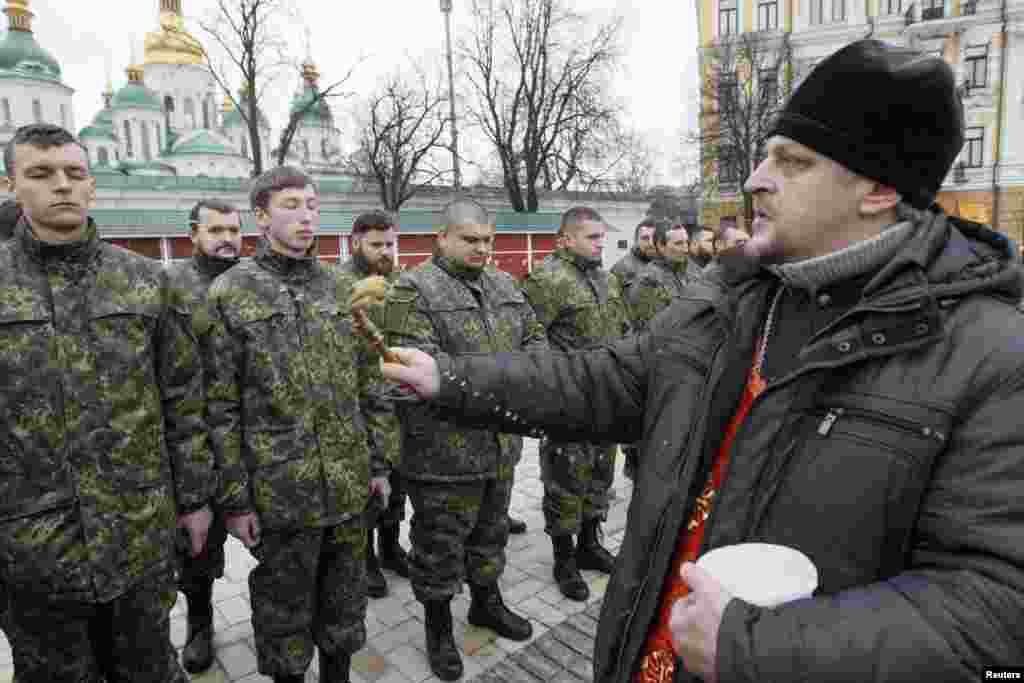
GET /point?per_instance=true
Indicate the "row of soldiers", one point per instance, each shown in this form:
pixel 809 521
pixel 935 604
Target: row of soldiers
pixel 145 413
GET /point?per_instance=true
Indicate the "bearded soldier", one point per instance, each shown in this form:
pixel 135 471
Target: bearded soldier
pixel 460 481
pixel 665 278
pixel 373 253
pixel 301 437
pixel 216 232
pixel 580 307
pixel 630 265
pixel 102 440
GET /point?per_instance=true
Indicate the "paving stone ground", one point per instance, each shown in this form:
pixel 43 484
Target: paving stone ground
pixel 558 652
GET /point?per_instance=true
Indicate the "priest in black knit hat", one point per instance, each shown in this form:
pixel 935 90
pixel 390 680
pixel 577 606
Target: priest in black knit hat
pixel 848 384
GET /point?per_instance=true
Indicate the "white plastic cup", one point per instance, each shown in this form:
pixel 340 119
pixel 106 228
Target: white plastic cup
pixel 763 574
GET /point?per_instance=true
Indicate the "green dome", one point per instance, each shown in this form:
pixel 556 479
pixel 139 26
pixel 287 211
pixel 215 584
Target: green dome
pixel 136 96
pixel 203 143
pixel 102 126
pixel 146 168
pixel 317 114
pixel 22 56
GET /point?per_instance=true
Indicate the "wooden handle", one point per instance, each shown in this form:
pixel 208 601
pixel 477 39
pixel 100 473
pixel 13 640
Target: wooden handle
pixel 365 327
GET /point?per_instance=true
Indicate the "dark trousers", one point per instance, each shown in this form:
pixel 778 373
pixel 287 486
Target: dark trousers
pixel 308 590
pixel 394 513
pixel 126 640
pixel 193 572
pixel 577 480
pixel 459 532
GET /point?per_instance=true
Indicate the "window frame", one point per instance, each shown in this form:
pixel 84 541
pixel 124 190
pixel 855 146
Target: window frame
pixel 975 56
pixel 768 15
pixel 974 147
pixel 730 14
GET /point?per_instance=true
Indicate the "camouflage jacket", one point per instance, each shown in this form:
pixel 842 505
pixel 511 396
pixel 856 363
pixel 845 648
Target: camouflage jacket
pixel 357 267
pixel 102 439
pixel 577 303
pixel 297 421
pixel 192 278
pixel 654 288
pixel 629 266
pixel 438 307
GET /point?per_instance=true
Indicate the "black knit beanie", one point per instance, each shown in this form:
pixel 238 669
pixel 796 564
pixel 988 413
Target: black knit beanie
pixel 889 113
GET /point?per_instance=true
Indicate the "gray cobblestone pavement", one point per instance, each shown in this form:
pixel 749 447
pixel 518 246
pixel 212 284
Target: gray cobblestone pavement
pixel 559 651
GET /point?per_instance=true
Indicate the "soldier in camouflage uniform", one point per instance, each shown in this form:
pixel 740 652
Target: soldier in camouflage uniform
pixel 10 214
pixel 639 256
pixel 216 232
pixel 301 437
pixel 460 481
pixel 665 278
pixel 580 307
pixel 102 442
pixel 373 253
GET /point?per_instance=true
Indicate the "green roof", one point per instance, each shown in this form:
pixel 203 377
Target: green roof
pixel 102 126
pixel 203 143
pixel 22 56
pixel 134 166
pixel 318 113
pixel 136 96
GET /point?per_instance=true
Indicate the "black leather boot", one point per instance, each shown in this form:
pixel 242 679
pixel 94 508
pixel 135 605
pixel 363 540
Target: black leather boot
pixel 488 610
pixel 392 555
pixel 290 678
pixel 198 653
pixel 591 554
pixel 335 668
pixel 444 657
pixel 516 526
pixel 376 584
pixel 567 574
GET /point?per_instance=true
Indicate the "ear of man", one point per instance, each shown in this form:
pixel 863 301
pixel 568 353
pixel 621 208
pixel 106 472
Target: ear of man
pixel 880 199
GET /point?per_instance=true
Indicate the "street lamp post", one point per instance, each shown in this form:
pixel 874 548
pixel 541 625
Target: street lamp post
pixel 446 9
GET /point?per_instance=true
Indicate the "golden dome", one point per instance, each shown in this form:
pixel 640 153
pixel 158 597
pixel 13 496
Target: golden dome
pixel 227 105
pixel 172 44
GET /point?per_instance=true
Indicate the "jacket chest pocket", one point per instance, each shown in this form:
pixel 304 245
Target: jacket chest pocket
pixel 463 328
pixel 850 492
pixel 123 333
pixel 24 347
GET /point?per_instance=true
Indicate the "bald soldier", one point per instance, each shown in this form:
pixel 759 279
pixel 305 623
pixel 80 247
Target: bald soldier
pixel 460 480
pixel 580 307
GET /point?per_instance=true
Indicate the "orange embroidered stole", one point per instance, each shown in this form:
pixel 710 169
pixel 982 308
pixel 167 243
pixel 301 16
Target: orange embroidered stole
pixel 657 662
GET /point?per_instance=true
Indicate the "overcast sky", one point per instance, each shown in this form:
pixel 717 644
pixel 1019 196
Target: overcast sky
pixel 92 39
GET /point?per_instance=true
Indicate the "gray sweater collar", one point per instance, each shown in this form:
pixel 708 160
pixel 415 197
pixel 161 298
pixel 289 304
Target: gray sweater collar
pixel 857 259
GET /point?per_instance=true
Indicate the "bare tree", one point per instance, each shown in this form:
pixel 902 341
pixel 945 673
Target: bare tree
pixel 539 73
pixel 400 128
pixel 746 78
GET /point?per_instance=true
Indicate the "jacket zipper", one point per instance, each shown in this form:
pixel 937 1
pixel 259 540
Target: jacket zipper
pixel 834 414
pixel 660 529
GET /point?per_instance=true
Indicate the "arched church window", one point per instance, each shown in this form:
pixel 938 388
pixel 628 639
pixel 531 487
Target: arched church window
pixel 159 140
pixel 37 111
pixel 245 145
pixel 168 104
pixel 104 156
pixel 206 114
pixel 64 116
pixel 147 148
pixel 324 148
pixel 7 111
pixel 128 147
pixel 190 113
pixel 305 150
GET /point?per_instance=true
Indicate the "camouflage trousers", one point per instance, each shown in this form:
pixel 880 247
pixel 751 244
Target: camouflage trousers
pixel 458 532
pixel 193 572
pixel 394 513
pixel 577 480
pixel 309 589
pixel 126 640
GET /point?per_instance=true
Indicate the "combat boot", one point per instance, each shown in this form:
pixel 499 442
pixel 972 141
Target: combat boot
pixel 488 610
pixel 444 657
pixel 198 653
pixel 376 584
pixel 392 555
pixel 290 678
pixel 335 668
pixel 516 526
pixel 591 554
pixel 567 574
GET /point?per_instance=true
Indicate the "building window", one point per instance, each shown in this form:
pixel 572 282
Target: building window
pixel 245 146
pixel 932 9
pixel 817 11
pixel 159 140
pixel 168 104
pixel 64 116
pixel 104 156
pixel 305 151
pixel 728 94
pixel 7 111
pixel 769 83
pixel 728 168
pixel 147 148
pixel 976 66
pixel 894 6
pixel 206 114
pixel 728 18
pixel 129 150
pixel 768 15
pixel 838 10
pixel 37 111
pixel 190 113
pixel 974 147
